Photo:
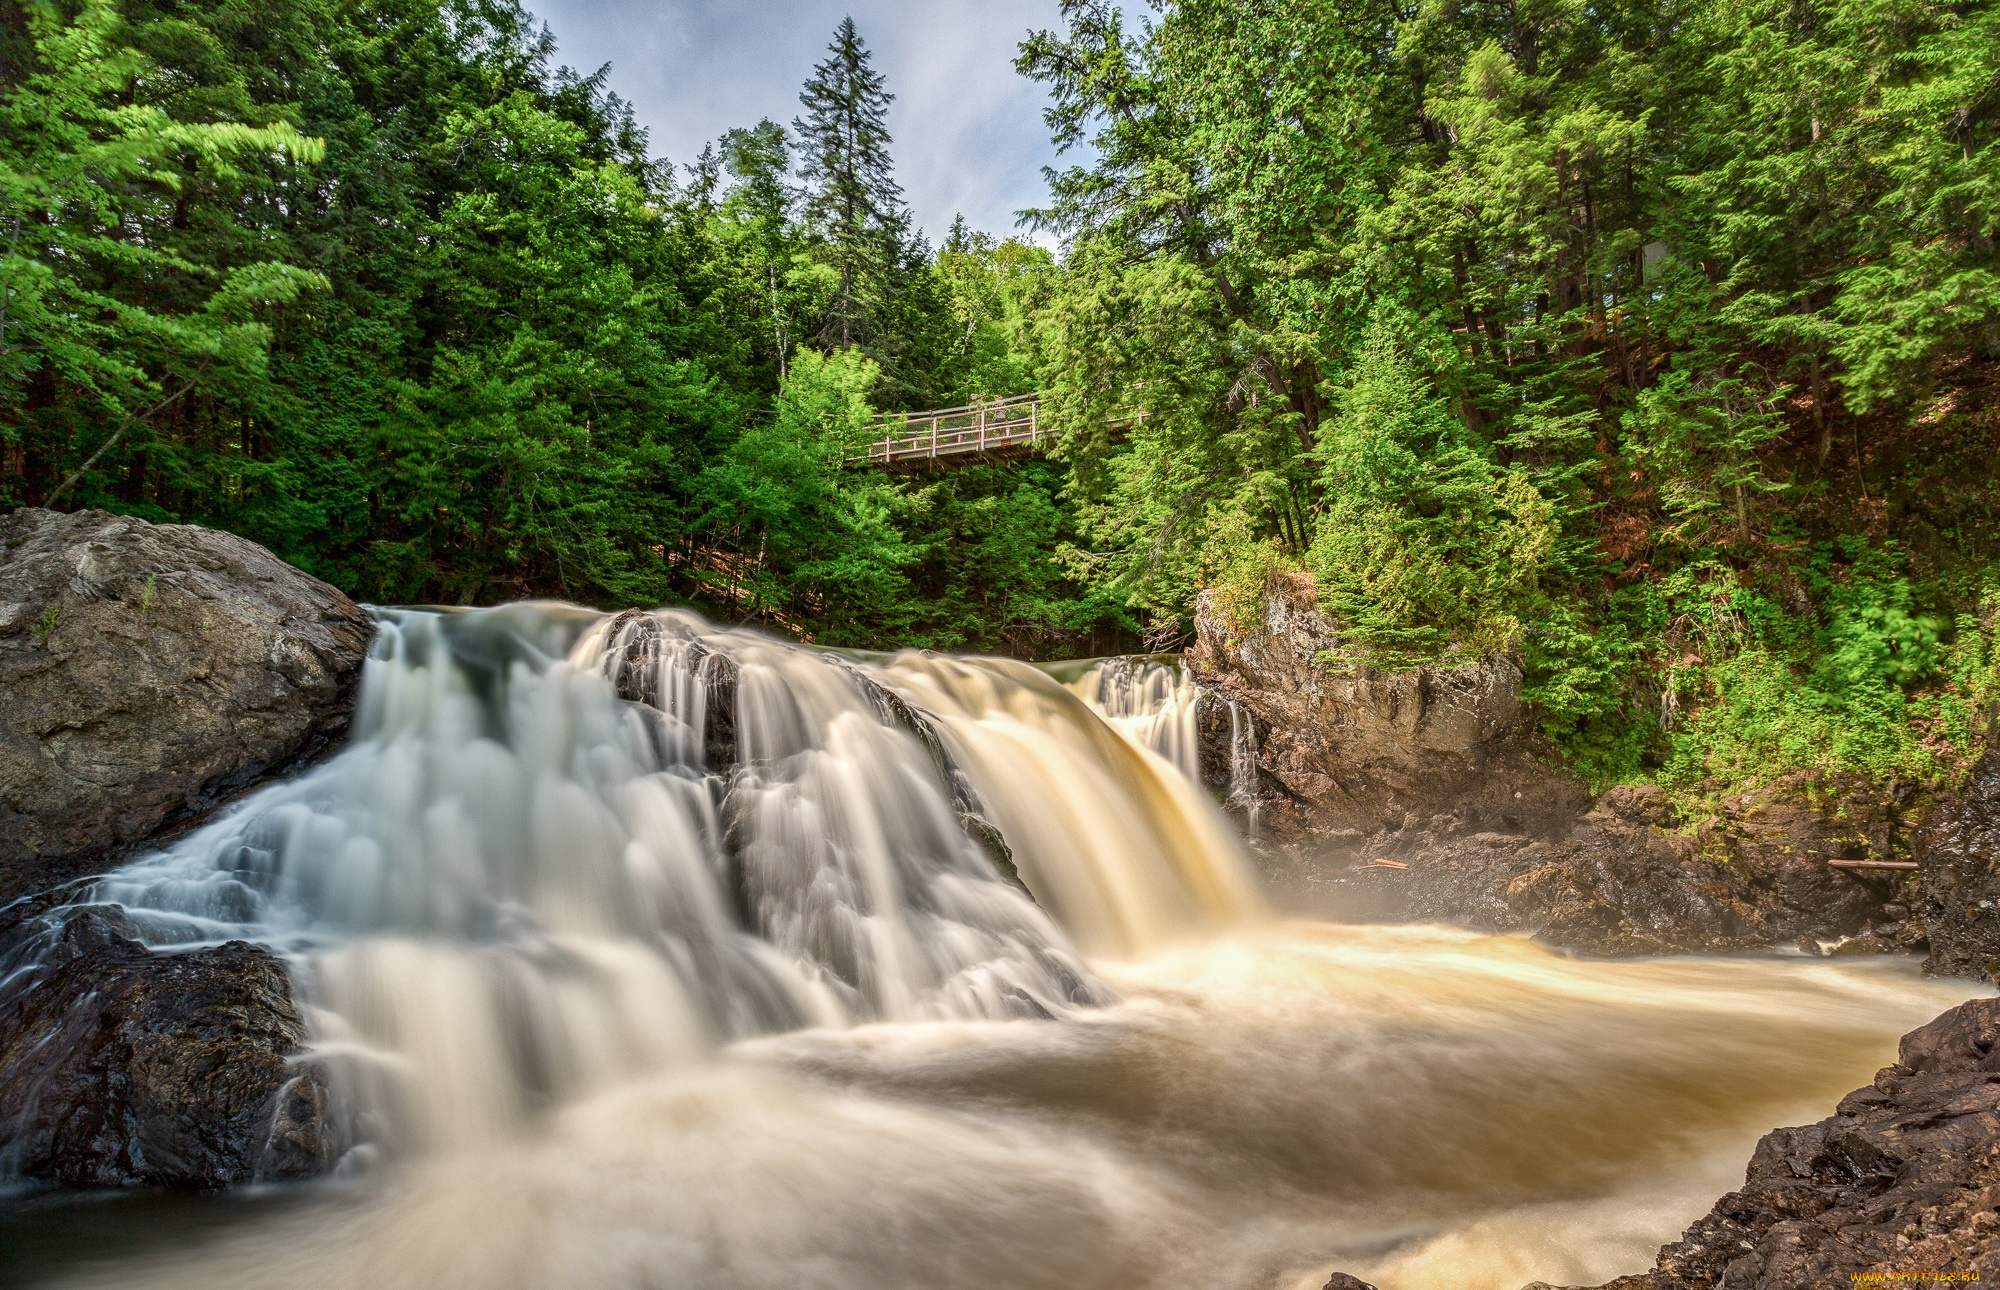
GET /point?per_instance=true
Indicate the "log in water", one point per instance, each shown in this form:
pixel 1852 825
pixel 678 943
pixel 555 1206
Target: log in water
pixel 644 954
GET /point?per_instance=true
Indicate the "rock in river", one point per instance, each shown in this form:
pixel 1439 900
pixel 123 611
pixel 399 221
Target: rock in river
pixel 120 1065
pixel 1959 849
pixel 148 673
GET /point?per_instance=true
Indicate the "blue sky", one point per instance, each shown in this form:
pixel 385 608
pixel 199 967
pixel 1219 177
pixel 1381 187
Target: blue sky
pixel 968 130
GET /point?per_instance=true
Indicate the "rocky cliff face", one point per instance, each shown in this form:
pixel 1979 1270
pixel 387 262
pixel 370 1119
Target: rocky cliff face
pixel 149 673
pixel 1903 1179
pixel 1958 847
pixel 1348 756
pixel 1428 795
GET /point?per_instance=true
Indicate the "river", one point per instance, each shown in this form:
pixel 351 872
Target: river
pixel 610 993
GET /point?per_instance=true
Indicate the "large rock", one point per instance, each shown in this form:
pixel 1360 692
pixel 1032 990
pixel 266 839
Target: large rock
pixel 121 1066
pixel 1903 1179
pixel 148 673
pixel 1959 849
pixel 1428 795
pixel 1629 878
pixel 1357 752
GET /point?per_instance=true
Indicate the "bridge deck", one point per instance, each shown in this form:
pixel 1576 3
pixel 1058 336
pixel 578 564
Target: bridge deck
pixel 913 439
pixel 997 430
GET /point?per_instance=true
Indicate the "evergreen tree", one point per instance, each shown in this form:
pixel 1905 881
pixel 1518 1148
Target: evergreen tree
pixel 852 196
pixel 759 159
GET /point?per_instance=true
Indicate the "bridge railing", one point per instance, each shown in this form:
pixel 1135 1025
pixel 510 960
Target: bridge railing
pixel 994 426
pixel 975 428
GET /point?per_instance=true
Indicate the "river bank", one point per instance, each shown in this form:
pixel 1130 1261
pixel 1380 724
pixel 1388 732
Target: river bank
pixel 1431 795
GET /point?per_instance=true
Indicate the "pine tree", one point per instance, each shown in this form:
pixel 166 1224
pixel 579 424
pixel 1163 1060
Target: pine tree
pixel 759 159
pixel 852 195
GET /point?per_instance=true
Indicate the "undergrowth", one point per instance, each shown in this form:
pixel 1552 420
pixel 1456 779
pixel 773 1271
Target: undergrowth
pixel 1711 681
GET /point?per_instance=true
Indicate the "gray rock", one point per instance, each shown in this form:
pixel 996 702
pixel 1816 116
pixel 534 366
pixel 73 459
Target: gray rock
pixel 1367 751
pixel 1958 846
pixel 122 1066
pixel 148 674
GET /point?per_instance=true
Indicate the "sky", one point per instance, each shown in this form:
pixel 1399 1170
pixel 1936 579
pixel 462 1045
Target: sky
pixel 968 130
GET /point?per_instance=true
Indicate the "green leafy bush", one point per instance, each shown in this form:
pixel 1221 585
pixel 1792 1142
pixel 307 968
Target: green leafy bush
pixel 1871 687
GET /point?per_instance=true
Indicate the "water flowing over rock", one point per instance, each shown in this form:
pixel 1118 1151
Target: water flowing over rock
pixel 148 674
pixel 1902 1180
pixel 565 847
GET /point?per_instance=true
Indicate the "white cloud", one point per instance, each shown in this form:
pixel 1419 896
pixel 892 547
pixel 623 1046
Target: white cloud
pixel 969 135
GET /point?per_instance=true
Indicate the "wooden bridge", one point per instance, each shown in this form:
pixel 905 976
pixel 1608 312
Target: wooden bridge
pixel 992 431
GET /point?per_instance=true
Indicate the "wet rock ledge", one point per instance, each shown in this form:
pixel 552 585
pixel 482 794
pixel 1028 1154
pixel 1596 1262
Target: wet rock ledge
pixel 150 674
pixel 1902 1180
pixel 121 1066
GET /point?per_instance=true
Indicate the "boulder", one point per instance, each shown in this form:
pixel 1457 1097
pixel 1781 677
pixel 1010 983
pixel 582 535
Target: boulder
pixel 1351 752
pixel 1958 847
pixel 121 1066
pixel 1903 1180
pixel 148 674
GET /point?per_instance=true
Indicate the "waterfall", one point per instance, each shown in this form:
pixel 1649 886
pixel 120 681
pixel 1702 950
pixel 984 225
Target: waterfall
pixel 1150 702
pixel 564 848
pixel 1243 765
pixel 1154 704
pixel 639 952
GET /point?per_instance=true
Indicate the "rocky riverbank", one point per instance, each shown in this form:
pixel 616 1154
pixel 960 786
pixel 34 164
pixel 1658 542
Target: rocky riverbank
pixel 1429 795
pixel 150 674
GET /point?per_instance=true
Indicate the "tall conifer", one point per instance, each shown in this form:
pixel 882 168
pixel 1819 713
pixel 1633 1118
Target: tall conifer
pixel 759 159
pixel 851 192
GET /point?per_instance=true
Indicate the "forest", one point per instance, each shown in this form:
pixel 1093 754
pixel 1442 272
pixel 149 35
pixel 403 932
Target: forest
pixel 1654 342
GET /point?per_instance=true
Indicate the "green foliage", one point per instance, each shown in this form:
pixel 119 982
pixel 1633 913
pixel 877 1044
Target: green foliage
pixel 88 300
pixel 993 288
pixel 852 196
pixel 1698 433
pixel 381 287
pixel 1425 545
pixel 1612 338
pixel 1871 688
pixel 1252 573
pixel 1572 332
pixel 823 543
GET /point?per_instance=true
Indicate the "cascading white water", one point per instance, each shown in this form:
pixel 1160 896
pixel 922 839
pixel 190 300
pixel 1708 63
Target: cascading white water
pixel 1243 766
pixel 1150 702
pixel 515 887
pixel 724 985
pixel 1155 704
